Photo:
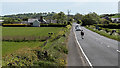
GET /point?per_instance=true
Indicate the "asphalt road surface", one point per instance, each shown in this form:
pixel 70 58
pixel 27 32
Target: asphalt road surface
pixel 74 55
pixel 100 51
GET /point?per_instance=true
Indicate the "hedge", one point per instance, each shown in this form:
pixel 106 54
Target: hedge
pixel 111 26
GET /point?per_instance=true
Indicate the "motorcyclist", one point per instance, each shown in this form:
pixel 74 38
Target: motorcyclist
pixel 82 34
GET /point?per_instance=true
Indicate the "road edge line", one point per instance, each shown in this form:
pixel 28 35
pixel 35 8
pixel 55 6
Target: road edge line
pixel 83 51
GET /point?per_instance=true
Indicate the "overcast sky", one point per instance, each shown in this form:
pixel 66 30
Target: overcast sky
pixel 59 0
pixel 77 6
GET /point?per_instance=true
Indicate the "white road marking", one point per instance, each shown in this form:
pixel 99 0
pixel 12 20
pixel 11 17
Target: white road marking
pixel 118 51
pixel 83 51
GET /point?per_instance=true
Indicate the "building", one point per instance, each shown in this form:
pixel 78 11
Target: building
pixel 115 19
pixel 51 21
pixel 1 20
pixel 34 22
pixel 43 21
pixel 106 17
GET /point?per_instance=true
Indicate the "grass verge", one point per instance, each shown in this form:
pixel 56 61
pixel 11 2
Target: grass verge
pixel 115 37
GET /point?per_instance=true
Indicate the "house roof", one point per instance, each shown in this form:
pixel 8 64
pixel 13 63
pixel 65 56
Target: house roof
pixel 36 21
pixel 39 20
pixel 32 20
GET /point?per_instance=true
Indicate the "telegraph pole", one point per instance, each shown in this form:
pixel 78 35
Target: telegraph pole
pixel 68 14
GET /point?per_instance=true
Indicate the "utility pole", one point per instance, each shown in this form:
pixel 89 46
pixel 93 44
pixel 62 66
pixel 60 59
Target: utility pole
pixel 68 14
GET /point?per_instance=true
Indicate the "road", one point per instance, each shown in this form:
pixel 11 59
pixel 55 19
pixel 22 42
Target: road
pixel 74 54
pixel 100 51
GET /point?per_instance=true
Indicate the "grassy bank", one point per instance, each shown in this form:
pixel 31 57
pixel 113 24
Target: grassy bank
pixel 115 37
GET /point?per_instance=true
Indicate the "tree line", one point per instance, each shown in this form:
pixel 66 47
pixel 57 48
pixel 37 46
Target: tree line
pixel 61 17
pixel 92 18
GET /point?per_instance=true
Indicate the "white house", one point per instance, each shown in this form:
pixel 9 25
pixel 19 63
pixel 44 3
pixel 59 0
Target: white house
pixel 31 20
pixel 117 19
pixel 1 20
pixel 34 22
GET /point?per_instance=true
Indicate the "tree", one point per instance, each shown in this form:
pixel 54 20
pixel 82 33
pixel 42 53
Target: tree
pixel 90 19
pixel 104 21
pixel 60 17
pixel 78 16
pixel 25 19
pixel 9 20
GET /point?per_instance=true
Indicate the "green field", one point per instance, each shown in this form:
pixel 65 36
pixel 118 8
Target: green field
pixel 10 47
pixel 14 52
pixel 28 31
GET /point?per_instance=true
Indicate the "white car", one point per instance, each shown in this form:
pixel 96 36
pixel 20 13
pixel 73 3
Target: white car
pixel 77 27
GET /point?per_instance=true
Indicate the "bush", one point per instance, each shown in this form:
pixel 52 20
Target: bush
pixel 68 26
pixel 87 21
pixel 57 36
pixel 79 21
pixel 100 28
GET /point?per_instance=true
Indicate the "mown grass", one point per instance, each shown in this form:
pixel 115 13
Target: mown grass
pixel 28 31
pixel 115 37
pixel 10 47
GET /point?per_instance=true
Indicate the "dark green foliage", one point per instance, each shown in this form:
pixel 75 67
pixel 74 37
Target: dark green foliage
pixel 60 17
pixel 25 19
pixel 61 48
pixel 90 19
pixel 11 20
pixel 109 15
pixel 78 16
pixel 106 32
pixel 110 26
